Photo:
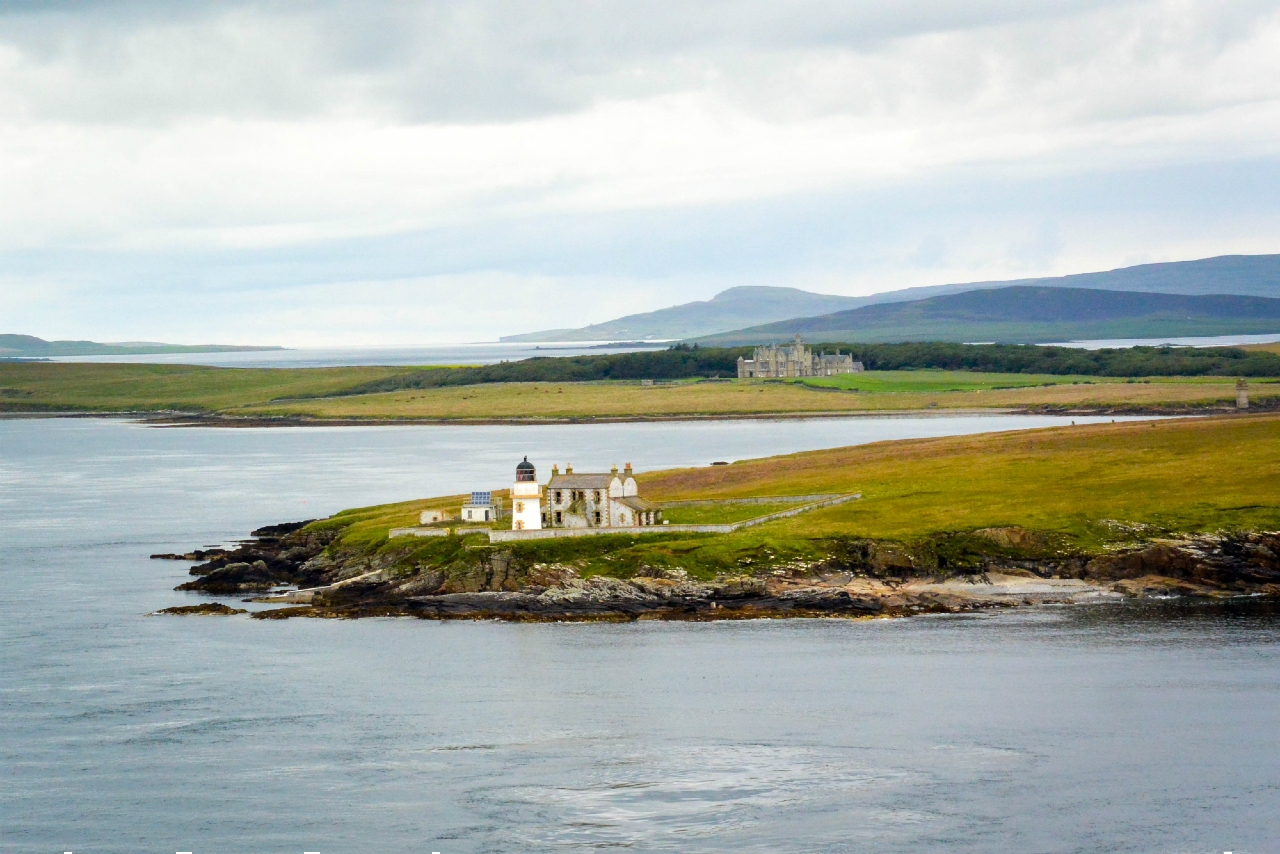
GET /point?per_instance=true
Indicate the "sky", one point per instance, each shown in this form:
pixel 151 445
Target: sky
pixel 400 174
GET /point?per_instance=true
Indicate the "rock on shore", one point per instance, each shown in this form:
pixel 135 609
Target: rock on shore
pixel 858 579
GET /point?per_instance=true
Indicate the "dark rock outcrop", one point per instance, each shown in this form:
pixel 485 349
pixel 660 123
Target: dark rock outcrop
pixel 280 556
pixel 857 578
pixel 206 608
pixel 1241 563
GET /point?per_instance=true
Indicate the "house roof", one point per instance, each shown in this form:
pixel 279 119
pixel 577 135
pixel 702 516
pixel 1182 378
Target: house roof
pixel 637 503
pixel 580 481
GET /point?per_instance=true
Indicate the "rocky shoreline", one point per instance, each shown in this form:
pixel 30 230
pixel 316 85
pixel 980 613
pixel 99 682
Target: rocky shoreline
pixel 304 571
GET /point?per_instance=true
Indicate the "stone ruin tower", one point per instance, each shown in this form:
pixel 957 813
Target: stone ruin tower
pixel 1242 394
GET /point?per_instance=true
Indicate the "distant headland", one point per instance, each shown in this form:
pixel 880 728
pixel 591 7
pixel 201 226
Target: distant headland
pixel 31 347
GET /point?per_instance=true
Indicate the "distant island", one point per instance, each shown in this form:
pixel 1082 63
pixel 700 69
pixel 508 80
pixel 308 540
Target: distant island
pixel 31 347
pixel 743 308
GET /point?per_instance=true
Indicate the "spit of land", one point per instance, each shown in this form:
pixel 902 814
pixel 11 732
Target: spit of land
pixel 1183 507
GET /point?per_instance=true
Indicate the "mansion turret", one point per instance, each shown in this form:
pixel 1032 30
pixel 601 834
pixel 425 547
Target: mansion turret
pixel 795 361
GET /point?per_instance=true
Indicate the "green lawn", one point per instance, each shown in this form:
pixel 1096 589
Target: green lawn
pixel 936 381
pixel 722 514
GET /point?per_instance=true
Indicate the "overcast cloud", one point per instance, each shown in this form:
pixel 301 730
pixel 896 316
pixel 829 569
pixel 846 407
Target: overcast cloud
pixel 363 173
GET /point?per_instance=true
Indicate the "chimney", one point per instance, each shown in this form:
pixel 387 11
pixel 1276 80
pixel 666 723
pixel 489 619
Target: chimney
pixel 627 471
pixel 555 469
pixel 568 468
pixel 613 469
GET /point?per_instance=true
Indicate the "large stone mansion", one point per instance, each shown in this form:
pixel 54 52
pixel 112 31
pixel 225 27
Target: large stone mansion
pixel 588 500
pixel 796 360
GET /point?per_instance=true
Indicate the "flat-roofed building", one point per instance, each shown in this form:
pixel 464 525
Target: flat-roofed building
pixel 482 507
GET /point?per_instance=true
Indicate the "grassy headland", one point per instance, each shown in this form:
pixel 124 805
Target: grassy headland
pixel 726 398
pixel 1071 490
pixel 1188 507
pixel 901 378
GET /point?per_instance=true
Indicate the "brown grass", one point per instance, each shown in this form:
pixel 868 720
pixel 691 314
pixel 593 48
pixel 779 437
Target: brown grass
pixel 622 400
pixel 1185 474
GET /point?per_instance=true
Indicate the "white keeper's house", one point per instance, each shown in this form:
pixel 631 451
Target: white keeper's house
pixel 586 500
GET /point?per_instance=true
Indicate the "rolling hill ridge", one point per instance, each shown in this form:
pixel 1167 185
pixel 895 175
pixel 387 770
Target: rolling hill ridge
pixel 731 309
pixel 1028 314
pixel 746 307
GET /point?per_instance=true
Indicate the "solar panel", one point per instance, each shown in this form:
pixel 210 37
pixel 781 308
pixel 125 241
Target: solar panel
pixel 482 498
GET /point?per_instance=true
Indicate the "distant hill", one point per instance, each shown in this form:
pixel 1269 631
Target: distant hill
pixel 731 309
pixel 31 347
pixel 1243 275
pixel 738 308
pixel 1025 314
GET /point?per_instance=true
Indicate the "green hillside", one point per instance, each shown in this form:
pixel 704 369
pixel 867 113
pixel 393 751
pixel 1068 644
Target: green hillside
pixel 731 309
pixel 1025 314
pixel 743 307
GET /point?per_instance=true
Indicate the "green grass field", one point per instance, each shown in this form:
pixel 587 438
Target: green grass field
pixel 722 514
pixel 935 381
pixel 307 393
pixel 1081 489
pixel 98 387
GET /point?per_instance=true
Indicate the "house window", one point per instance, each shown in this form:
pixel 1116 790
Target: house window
pixel 595 496
pixel 597 517
pixel 519 524
pixel 519 506
pixel 625 519
pixel 559 518
pixel 559 497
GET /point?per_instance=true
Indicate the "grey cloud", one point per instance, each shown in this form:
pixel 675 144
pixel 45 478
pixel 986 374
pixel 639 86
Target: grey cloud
pixel 430 62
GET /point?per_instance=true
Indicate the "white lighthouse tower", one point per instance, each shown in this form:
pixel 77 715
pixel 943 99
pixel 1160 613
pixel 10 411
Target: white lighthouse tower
pixel 526 499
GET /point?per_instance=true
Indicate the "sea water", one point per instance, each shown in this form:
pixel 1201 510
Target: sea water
pixel 490 353
pixel 1143 728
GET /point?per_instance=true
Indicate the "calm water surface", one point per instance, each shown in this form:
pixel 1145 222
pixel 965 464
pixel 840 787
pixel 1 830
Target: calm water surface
pixel 332 357
pixel 1139 729
pixel 489 353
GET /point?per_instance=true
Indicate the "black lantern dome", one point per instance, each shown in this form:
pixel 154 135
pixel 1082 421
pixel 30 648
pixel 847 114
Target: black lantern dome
pixel 525 472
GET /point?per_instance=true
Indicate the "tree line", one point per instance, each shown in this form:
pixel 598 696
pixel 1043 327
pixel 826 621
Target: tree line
pixel 684 361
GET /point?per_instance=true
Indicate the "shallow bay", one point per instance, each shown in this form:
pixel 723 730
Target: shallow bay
pixel 1141 728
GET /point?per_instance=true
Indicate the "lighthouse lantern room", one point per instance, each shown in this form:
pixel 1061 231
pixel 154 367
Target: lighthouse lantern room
pixel 526 499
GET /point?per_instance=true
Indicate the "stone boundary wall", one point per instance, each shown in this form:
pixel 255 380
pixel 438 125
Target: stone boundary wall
pixel 767 499
pixel 507 536
pixel 433 532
